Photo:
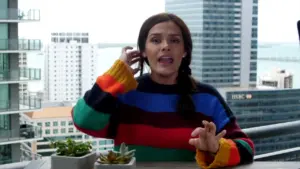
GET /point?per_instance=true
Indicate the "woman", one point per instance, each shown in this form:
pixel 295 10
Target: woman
pixel 164 115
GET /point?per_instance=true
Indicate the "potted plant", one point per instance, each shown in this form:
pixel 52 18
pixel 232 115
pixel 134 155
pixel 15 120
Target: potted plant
pixel 72 155
pixel 123 159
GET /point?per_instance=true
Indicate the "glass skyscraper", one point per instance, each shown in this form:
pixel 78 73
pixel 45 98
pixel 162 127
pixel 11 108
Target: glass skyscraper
pixel 12 133
pixel 224 35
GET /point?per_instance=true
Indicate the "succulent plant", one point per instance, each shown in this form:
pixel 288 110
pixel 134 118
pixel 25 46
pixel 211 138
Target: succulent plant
pixel 123 156
pixel 71 148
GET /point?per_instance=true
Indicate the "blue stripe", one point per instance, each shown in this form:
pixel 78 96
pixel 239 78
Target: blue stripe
pixel 205 103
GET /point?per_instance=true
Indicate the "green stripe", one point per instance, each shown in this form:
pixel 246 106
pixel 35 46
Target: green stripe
pixel 87 118
pixel 151 154
pixel 245 144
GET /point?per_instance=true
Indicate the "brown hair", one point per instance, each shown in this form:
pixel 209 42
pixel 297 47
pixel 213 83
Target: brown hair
pixel 186 84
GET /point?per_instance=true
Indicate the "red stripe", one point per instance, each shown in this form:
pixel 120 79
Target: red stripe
pixel 138 134
pixel 101 133
pixel 109 84
pixel 234 157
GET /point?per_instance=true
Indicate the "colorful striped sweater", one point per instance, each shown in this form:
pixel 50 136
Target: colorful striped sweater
pixel 145 117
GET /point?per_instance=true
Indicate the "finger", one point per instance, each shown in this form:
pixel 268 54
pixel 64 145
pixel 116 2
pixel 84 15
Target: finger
pixel 134 60
pixel 194 142
pixel 221 135
pixel 134 71
pixel 134 53
pixel 212 128
pixel 205 124
pixel 197 132
pixel 126 48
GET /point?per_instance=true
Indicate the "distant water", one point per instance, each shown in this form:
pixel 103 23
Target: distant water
pixel 280 51
pixel 294 68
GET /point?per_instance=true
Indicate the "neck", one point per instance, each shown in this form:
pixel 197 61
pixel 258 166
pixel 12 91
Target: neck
pixel 166 80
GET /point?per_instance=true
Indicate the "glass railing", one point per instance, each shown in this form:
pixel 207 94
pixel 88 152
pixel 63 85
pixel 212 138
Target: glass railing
pixel 31 132
pixel 20 74
pixel 18 14
pixel 22 104
pixel 20 44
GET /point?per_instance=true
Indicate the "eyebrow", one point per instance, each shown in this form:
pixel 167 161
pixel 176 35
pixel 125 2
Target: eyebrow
pixel 159 34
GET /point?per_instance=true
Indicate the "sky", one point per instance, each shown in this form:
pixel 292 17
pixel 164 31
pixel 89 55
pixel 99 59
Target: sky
pixel 119 20
pixel 112 21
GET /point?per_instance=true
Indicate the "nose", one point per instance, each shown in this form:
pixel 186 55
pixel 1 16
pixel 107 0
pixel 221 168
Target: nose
pixel 165 46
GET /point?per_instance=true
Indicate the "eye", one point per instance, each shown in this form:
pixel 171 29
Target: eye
pixel 155 40
pixel 175 40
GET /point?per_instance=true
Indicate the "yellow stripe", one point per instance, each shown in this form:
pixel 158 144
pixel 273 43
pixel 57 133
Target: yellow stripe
pixel 221 158
pixel 121 73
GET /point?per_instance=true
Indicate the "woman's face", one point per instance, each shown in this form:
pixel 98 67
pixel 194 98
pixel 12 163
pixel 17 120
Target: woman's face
pixel 165 49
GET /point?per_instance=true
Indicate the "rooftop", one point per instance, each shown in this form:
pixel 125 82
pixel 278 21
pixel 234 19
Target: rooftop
pixel 51 112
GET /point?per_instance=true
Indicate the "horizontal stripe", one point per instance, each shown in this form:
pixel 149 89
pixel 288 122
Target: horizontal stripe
pixel 234 156
pixel 110 85
pixel 121 79
pixel 151 154
pixel 155 137
pixel 245 156
pixel 207 104
pixel 249 142
pixel 100 101
pixel 87 118
pixel 132 115
pixel 245 144
pixel 95 133
pixel 223 155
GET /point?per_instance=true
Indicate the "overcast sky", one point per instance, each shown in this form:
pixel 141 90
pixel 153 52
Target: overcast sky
pixel 119 20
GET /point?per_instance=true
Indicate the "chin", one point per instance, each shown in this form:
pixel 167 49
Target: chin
pixel 166 73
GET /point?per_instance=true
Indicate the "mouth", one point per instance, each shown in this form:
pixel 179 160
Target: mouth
pixel 166 60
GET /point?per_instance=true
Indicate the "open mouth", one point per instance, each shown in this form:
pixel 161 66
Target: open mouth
pixel 166 60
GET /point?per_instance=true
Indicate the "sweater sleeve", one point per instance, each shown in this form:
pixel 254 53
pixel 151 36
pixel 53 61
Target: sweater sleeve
pixel 235 148
pixel 91 113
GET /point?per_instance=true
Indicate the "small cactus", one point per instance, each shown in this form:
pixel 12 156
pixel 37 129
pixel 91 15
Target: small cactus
pixel 124 156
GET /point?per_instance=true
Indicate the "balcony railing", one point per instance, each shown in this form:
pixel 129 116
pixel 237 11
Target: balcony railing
pixel 28 133
pixel 20 74
pixel 274 130
pixel 20 44
pixel 13 14
pixel 21 104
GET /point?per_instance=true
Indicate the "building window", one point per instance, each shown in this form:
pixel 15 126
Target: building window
pixel 47 124
pixel 39 124
pixel 71 130
pixel 47 131
pixel 63 131
pixel 63 123
pixel 70 123
pixel 55 123
pixel 55 131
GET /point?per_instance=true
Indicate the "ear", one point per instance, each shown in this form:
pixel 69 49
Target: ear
pixel 184 55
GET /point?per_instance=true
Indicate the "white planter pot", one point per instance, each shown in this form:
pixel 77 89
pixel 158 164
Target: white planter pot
pixel 130 165
pixel 65 162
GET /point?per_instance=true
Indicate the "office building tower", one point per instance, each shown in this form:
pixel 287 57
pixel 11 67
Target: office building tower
pixel 70 66
pixel 224 34
pixel 13 132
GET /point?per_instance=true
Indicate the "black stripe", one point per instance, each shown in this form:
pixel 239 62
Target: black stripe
pixel 100 100
pixel 245 156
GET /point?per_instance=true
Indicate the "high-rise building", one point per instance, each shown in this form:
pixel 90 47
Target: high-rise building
pixel 23 88
pixel 12 105
pixel 277 79
pixel 70 66
pixel 259 107
pixel 224 35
